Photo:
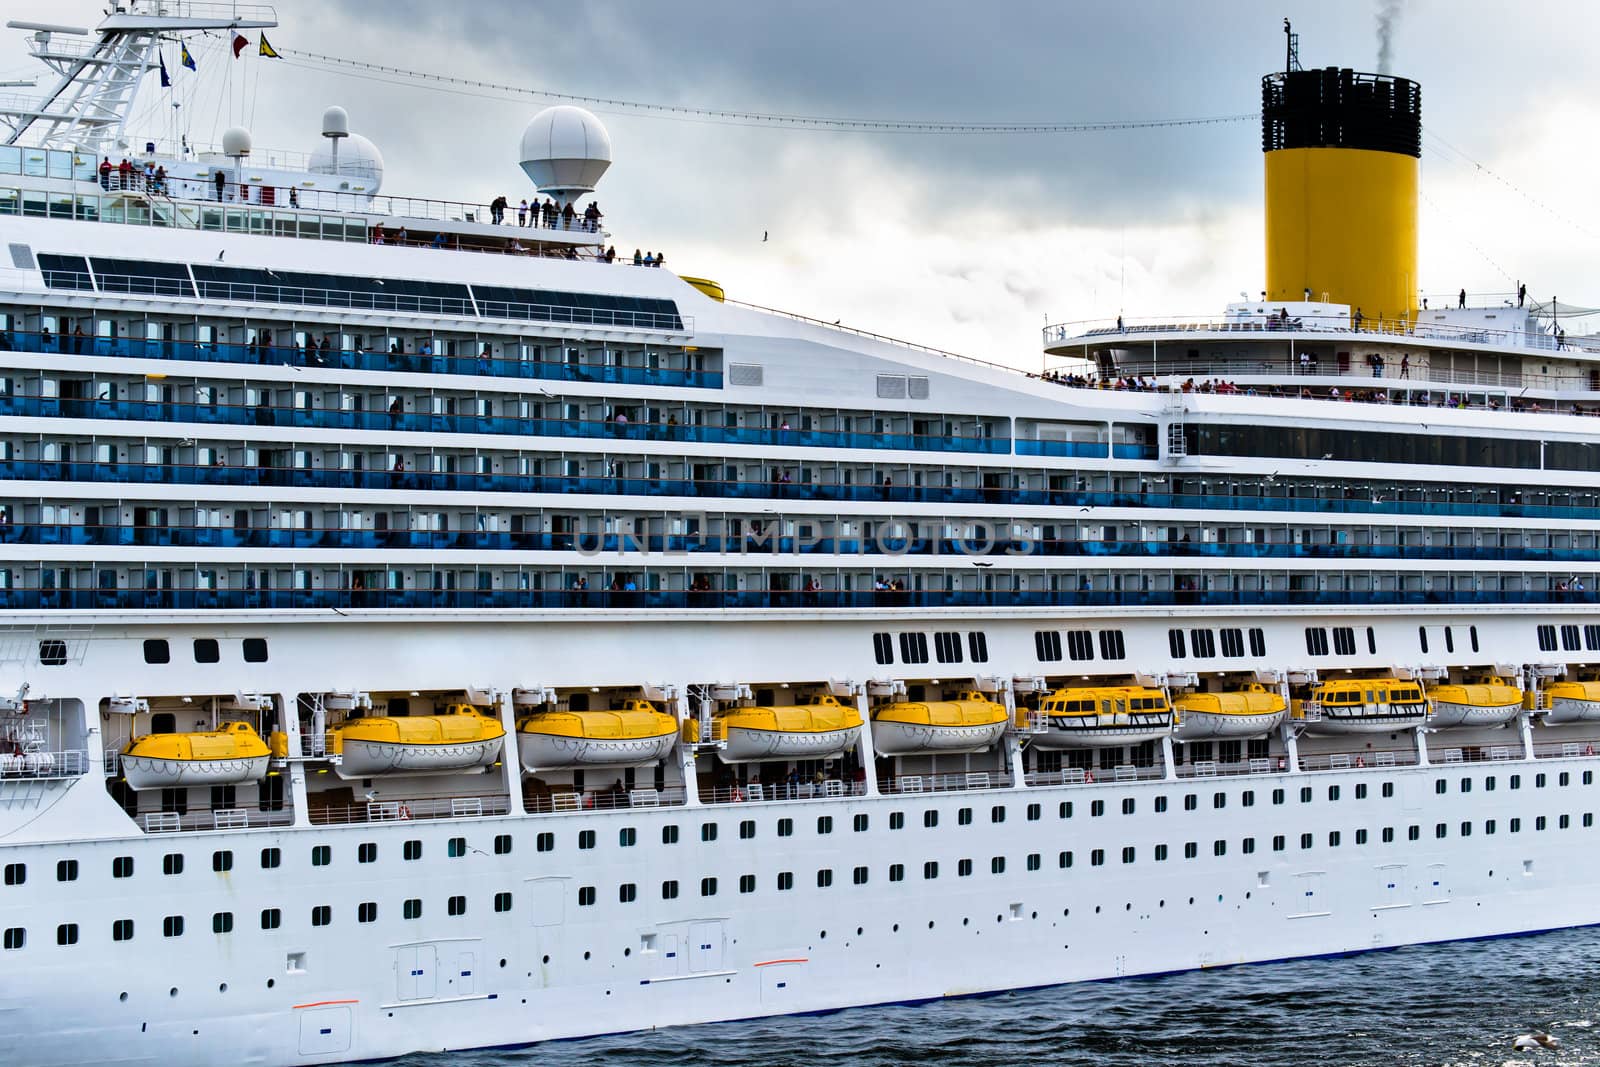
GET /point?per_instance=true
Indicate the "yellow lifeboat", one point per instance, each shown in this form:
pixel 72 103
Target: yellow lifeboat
pixel 1362 705
pixel 1486 703
pixel 1101 716
pixel 228 756
pixel 1572 702
pixel 461 739
pixel 970 723
pixel 820 729
pixel 1250 712
pixel 634 734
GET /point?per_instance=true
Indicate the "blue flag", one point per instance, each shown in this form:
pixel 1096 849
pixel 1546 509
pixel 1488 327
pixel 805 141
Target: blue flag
pixel 166 82
pixel 184 57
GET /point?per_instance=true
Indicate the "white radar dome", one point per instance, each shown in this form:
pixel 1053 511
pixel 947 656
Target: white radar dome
pixel 336 122
pixel 236 141
pixel 565 150
pixel 358 160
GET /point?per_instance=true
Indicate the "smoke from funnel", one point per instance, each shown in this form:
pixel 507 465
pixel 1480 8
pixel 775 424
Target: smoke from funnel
pixel 1388 15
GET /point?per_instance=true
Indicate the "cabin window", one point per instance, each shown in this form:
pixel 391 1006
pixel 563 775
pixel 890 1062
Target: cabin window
pixel 255 650
pixel 1047 645
pixel 172 926
pixel 1203 643
pixel 947 647
pixel 15 937
pixel 502 902
pixel 1232 642
pixel 1316 641
pixel 914 648
pixel 412 908
pixel 367 911
pixel 66 870
pixel 1175 644
pixel 978 646
pixel 1258 642
pixel 1547 639
pixel 156 651
pixel 883 648
pixel 321 915
pixel 206 650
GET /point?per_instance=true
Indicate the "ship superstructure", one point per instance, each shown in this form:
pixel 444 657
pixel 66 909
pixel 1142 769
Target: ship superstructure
pixel 425 632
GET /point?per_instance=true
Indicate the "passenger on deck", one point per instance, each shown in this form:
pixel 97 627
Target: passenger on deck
pixel 591 217
pixel 105 173
pixel 638 260
pixel 438 240
pixel 567 215
pixel 649 259
pixel 522 213
pixel 611 254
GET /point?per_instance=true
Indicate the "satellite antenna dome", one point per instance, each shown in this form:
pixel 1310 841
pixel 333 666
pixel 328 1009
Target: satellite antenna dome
pixel 352 156
pixel 236 142
pixel 565 150
pixel 336 122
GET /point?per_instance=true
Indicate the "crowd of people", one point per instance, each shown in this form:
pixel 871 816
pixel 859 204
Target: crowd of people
pixel 548 215
pixel 128 175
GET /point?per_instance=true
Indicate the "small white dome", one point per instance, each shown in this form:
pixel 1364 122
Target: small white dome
pixel 565 149
pixel 359 160
pixel 236 141
pixel 336 122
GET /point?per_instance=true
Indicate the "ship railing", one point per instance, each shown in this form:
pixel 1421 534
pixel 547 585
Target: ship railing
pixel 202 819
pixel 561 801
pixel 1562 750
pixel 1345 761
pixel 1407 385
pixel 1124 772
pixel 946 783
pixel 1230 768
pixel 43 766
pixel 402 809
pixel 768 792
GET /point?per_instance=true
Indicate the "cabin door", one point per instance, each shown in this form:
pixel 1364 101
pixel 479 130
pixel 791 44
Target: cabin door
pixel 415 972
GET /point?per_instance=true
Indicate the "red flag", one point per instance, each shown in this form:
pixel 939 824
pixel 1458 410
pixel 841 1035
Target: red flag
pixel 239 42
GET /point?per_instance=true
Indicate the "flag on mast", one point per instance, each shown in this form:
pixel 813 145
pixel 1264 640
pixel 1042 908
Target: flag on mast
pixel 183 55
pixel 239 41
pixel 166 82
pixel 267 49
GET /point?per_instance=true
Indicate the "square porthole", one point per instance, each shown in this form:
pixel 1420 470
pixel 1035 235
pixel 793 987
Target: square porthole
pixel 295 963
pixel 206 650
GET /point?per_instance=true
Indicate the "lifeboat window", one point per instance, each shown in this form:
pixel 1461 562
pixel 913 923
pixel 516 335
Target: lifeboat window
pixel 585 841
pixel 708 831
pixel 824 880
pixel 786 881
pixel 824 824
pixel 978 646
pixel 502 902
pixel 897 873
pixel 412 908
pixel 502 844
pixel 861 822
pixel 271 857
pixel 367 911
pixel 122 867
pixel 172 863
pixel 1232 642
pixel 367 852
pixel 1344 640
pixel 1316 640
pixel 206 650
pixel 1204 643
pixel 1547 639
pixel 546 842
pixel 156 651
pixel 785 827
pixel 1175 646
pixel 222 860
pixel 914 647
pixel 255 650
pixel 322 915
pixel 15 937
pixel 930 869
pixel 1569 638
pixel 1449 639
pixel 882 648
pixel 321 855
pixel 1034 812
pixel 1258 642
pixel 1047 645
pixel 172 926
pixel 67 870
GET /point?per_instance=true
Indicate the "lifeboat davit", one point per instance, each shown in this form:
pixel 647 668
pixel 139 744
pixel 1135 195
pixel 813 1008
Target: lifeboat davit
pixel 1254 711
pixel 970 723
pixel 636 733
pixel 821 729
pixel 1572 702
pixel 1363 706
pixel 1102 716
pixel 1487 703
pixel 461 739
pixel 229 756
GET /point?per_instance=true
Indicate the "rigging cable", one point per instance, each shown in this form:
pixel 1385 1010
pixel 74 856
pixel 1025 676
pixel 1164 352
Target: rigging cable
pixel 471 87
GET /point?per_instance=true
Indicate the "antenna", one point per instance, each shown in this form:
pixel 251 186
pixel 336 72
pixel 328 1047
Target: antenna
pixel 1291 58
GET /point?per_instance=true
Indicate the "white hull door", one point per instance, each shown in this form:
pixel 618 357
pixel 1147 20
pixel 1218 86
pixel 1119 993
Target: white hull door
pixel 147 772
pixel 364 759
pixel 903 738
pixel 546 751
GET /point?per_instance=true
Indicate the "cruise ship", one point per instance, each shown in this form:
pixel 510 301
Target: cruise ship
pixel 424 630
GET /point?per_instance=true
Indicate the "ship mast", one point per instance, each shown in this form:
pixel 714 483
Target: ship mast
pixel 87 110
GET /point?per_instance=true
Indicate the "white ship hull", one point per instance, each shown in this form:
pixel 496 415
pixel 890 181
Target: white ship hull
pixel 1205 725
pixel 365 759
pixel 546 751
pixel 149 772
pixel 1446 713
pixel 900 738
pixel 749 746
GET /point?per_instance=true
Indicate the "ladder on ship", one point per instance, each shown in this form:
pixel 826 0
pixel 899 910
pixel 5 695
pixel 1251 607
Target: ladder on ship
pixel 1177 440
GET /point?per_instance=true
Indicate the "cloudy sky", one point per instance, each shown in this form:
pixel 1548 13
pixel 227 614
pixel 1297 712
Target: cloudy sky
pixel 966 243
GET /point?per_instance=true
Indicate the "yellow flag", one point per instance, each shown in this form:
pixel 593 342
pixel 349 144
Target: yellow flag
pixel 266 49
